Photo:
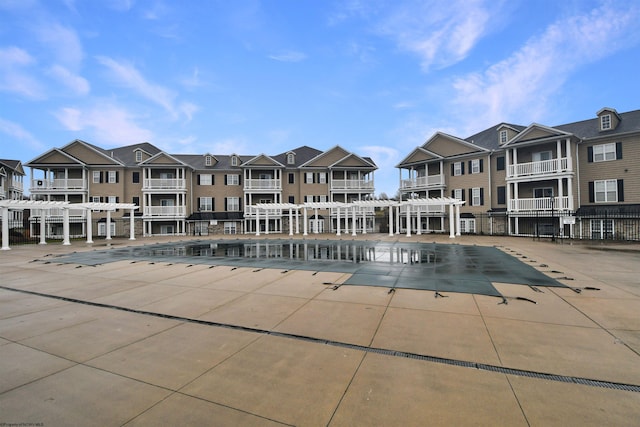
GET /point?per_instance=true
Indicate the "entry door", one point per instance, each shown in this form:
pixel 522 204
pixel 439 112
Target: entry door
pixel 316 225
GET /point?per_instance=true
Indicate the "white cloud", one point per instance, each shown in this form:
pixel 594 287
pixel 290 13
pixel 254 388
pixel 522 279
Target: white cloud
pixel 188 109
pixel 15 74
pixel 288 56
pixel 63 43
pixel 16 131
pixel 130 77
pixel 109 124
pixel 79 85
pixel 524 83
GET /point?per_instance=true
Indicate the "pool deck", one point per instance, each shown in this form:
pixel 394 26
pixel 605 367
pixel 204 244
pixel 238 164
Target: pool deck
pixel 146 344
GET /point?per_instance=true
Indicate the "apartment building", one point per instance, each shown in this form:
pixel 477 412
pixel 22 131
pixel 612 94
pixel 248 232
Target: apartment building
pixel 572 180
pixel 12 188
pixel 196 194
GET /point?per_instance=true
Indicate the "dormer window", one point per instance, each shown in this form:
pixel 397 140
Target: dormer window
pixel 207 160
pixel 138 156
pixel 605 122
pixel 234 161
pixel 503 136
pixel 291 158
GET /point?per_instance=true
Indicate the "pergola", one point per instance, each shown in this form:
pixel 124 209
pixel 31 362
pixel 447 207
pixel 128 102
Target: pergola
pixel 412 205
pixel 44 205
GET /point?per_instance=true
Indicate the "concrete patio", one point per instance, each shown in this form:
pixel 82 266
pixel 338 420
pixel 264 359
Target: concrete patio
pixel 148 344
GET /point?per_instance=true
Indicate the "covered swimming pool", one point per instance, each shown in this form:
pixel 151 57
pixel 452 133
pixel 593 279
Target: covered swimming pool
pixel 425 266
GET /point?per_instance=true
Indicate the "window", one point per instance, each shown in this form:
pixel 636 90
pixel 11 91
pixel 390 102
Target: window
pixel 112 199
pixel 500 165
pixel 476 196
pixel 467 225
pixel 539 193
pixel 458 168
pixel 205 179
pixel 102 228
pixel 541 156
pixel 233 179
pixel 97 175
pixel 475 166
pixel 308 198
pixel 605 122
pixel 322 198
pixel 234 161
pixel 604 152
pixel 291 158
pixel 503 136
pixel 458 193
pixel 308 178
pixel 205 204
pixel 207 160
pixel 138 156
pixel 113 177
pixel 292 178
pixel 322 178
pixel 292 199
pixel 135 177
pixel 233 204
pixel 95 199
pixel 602 229
pixel 230 228
pixel 606 190
pixel 502 195
pixel 136 200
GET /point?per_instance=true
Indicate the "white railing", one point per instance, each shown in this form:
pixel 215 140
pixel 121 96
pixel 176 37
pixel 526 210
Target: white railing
pixel 57 184
pixel 16 185
pixel 164 184
pixel 251 211
pixel 429 209
pixel 545 167
pixel 351 184
pixel 422 182
pixel 164 211
pixel 539 204
pixel 58 212
pixel 262 184
pixel 369 210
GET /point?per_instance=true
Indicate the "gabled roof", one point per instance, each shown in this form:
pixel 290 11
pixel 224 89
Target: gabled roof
pixel 441 135
pixel 488 138
pixel 13 165
pixel 127 154
pixel 56 157
pixel 587 129
pixel 353 161
pixel 262 160
pixel 536 131
pixel 302 155
pixel 417 156
pixel 611 110
pixel 169 160
pixel 105 155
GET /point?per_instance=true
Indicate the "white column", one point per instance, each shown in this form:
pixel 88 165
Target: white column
pixel 109 225
pixel 5 229
pixel 569 157
pixel 570 192
pixel 266 221
pixel 338 221
pixel 408 220
pixel 290 222
pixel 65 226
pixel 315 222
pixel 257 221
pixel 132 231
pixel 297 221
pixel 353 225
pixel 43 228
pixel 364 221
pixel 89 227
pixel 304 218
pixel 398 219
pixel 418 221
pixel 452 224
pixel 457 220
pixel 390 220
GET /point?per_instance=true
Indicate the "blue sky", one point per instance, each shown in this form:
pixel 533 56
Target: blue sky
pixel 249 77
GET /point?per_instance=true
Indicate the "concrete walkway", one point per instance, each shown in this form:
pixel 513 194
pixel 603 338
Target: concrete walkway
pixel 156 344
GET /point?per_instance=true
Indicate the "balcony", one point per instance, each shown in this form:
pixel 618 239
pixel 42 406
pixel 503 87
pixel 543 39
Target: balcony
pixel 164 184
pixel 15 185
pixel 165 211
pixel 58 213
pixel 352 184
pixel 540 204
pixel 262 184
pixel 46 185
pixel 543 168
pixel 422 182
pixel 250 211
pixel 348 212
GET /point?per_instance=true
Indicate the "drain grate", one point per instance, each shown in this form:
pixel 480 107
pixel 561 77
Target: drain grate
pixel 387 352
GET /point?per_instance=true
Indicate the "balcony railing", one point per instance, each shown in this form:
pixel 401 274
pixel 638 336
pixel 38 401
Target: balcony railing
pixel 40 185
pixel 351 184
pixel 545 167
pixel 262 184
pixel 15 185
pixel 539 204
pixel 422 182
pixel 348 212
pixel 425 209
pixel 59 213
pixel 168 211
pixel 250 211
pixel 164 184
